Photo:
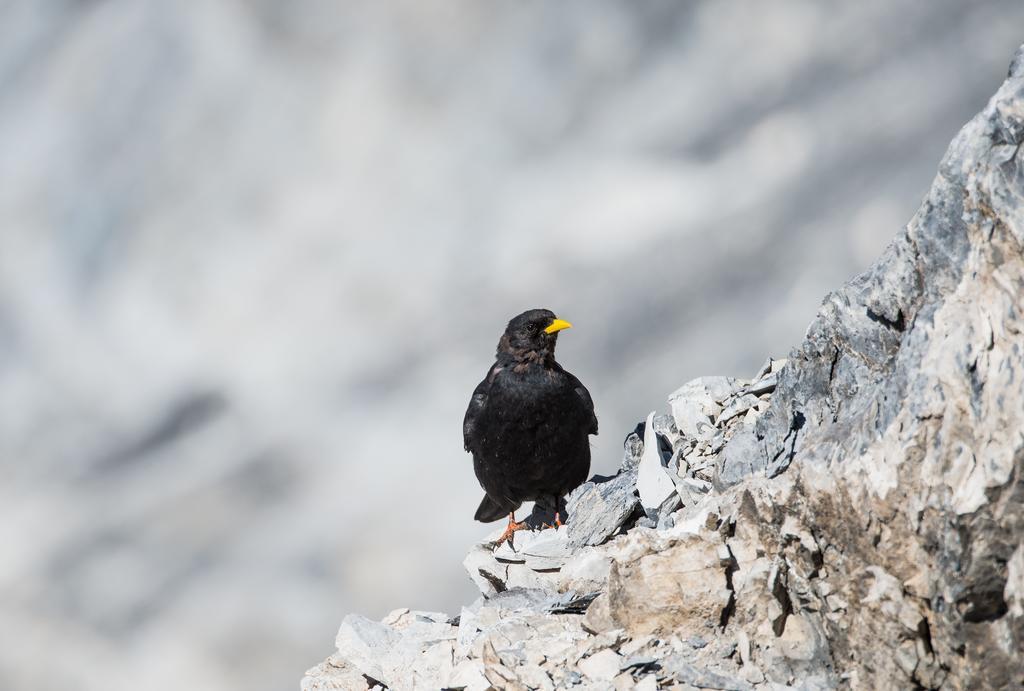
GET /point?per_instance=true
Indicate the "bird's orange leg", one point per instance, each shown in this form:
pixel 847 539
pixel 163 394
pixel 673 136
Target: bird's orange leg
pixel 511 529
pixel 558 518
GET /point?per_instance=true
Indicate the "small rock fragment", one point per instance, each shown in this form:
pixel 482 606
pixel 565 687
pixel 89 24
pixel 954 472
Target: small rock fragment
pixel 623 682
pixel 365 643
pixel 835 602
pixel 743 647
pixel 697 403
pixel 599 507
pixel 334 673
pixel 571 603
pixel 724 555
pixel 634 645
pixel 906 657
pixel 640 663
pixel 598 617
pixel 601 666
pixel 534 677
pixel 632 447
pixel 727 650
pixel 751 674
pixel 485 571
pixel 1013 592
pixel 737 407
pixel 742 457
pixel 665 425
pixel 648 683
pixel 678 668
pixel 495 670
pixel 766 384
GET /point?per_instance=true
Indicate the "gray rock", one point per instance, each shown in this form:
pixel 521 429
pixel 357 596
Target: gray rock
pixel 742 457
pixel 696 404
pixel 485 571
pixel 1013 592
pixel 600 507
pixel 571 603
pixel 537 549
pixel 364 643
pixel 601 666
pixel 677 668
pixel 333 673
pixel 716 443
pixel 763 385
pixel 525 599
pixel 633 447
pixel 639 663
pixel 647 522
pixel 653 483
pixel 739 406
pixel 687 497
pixel 864 531
pixel 901 390
pixel 572 678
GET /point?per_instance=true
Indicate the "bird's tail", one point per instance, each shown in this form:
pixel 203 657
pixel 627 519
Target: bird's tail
pixel 491 509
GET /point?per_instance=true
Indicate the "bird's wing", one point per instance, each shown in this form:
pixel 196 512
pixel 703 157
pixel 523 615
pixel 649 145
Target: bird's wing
pixel 588 402
pixel 476 405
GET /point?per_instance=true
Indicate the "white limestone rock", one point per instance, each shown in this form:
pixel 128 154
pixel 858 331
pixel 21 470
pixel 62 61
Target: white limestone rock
pixel 862 531
pixel 653 483
pixel 697 404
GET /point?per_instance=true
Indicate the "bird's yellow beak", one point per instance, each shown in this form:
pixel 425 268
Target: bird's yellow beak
pixel 557 325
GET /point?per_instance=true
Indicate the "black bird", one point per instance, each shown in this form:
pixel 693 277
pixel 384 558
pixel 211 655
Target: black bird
pixel 528 422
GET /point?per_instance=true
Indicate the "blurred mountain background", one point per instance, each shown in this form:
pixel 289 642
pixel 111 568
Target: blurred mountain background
pixel 255 255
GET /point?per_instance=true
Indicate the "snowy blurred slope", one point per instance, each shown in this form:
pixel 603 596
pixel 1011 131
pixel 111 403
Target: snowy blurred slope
pixel 255 255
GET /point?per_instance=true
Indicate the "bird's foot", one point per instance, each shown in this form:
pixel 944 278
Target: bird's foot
pixel 510 531
pixel 556 525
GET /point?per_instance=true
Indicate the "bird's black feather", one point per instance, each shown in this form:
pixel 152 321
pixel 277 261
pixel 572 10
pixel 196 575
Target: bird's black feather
pixel 476 404
pixel 491 510
pixel 528 422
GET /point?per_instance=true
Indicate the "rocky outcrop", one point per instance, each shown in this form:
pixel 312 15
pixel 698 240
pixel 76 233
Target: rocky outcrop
pixel 849 518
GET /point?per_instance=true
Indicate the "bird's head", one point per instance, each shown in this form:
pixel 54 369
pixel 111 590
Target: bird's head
pixel 532 334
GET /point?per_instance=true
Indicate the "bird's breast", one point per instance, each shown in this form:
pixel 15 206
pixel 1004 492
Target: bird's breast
pixel 532 399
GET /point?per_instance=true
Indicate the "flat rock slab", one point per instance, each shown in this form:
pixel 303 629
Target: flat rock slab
pixel 601 666
pixel 363 643
pixel 538 549
pixel 679 669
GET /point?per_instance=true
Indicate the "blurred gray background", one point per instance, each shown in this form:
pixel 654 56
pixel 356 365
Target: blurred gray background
pixel 254 256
